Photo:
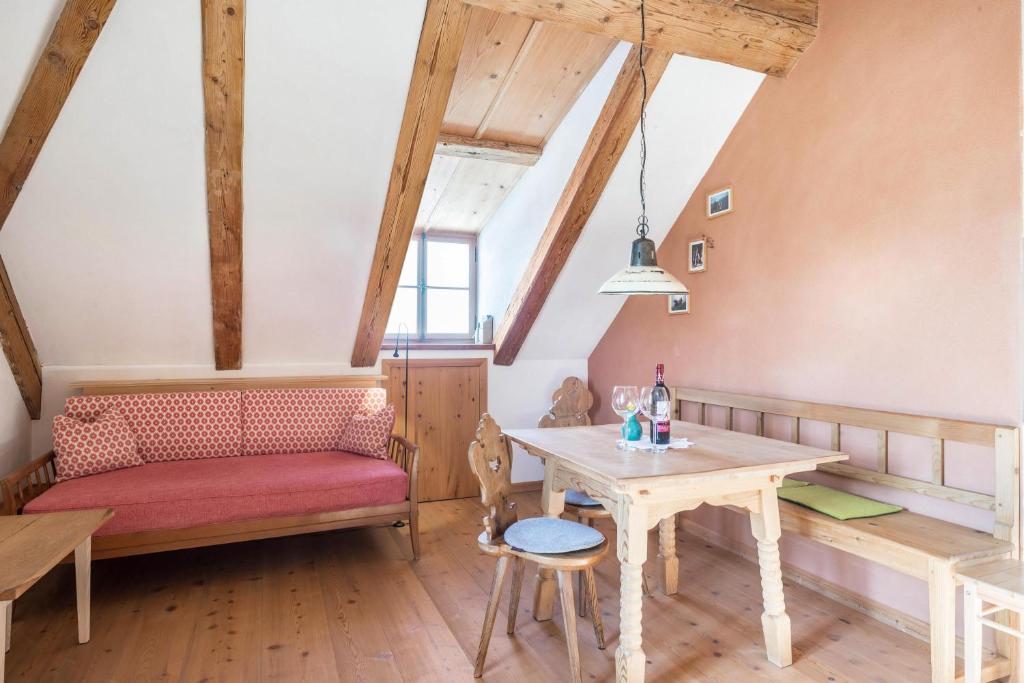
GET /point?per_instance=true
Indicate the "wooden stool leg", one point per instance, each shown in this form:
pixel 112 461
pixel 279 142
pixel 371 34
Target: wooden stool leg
pixel 5 605
pixel 595 607
pixel 581 587
pixel 83 569
pixel 942 617
pixel 569 614
pixel 972 634
pixel 492 611
pixel 518 568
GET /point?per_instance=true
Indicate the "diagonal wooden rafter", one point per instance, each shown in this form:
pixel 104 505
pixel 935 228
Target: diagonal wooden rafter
pixel 18 347
pixel 607 141
pixel 437 57
pixel 223 90
pixel 764 35
pixel 55 73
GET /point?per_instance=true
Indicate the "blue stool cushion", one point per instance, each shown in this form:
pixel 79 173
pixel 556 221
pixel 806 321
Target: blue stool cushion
pixel 574 497
pixel 547 536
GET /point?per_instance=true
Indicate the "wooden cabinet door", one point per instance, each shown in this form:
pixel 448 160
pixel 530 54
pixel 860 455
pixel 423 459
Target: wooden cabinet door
pixel 446 400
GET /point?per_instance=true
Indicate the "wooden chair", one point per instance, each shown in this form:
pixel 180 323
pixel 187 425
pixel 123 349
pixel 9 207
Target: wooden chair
pixel 490 458
pixel 570 407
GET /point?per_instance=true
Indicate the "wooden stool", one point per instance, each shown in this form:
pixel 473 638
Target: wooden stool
pixel 989 588
pixel 490 458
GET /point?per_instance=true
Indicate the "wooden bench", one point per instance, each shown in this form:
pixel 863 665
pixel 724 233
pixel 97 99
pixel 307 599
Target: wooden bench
pixel 926 548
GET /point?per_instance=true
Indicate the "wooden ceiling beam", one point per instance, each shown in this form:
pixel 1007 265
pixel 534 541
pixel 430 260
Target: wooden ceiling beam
pixel 437 57
pixel 487 150
pixel 223 90
pixel 78 26
pixel 763 35
pixel 604 148
pixel 18 347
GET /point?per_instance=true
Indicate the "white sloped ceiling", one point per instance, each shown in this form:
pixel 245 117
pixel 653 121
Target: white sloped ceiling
pixel 107 245
pixel 691 113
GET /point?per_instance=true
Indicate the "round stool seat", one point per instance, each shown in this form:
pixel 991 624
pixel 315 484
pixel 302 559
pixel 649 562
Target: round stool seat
pixel 547 536
pixel 574 497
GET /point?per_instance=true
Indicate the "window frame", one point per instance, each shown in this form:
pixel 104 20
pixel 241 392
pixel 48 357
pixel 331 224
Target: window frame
pixel 424 238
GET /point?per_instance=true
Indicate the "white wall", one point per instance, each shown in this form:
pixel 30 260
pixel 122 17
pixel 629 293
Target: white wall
pixel 15 425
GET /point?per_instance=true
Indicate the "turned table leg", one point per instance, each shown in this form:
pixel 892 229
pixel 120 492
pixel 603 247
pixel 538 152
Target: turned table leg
pixel 667 554
pixel 83 569
pixel 767 529
pixel 552 503
pixel 630 660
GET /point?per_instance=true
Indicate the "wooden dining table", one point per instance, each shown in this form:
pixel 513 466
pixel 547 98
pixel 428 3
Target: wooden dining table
pixel 643 489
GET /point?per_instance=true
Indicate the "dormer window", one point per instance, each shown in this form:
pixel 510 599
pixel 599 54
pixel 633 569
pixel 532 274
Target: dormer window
pixel 436 297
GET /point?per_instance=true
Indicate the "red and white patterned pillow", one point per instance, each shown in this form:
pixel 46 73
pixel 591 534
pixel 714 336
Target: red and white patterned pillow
pixel 89 447
pixel 368 434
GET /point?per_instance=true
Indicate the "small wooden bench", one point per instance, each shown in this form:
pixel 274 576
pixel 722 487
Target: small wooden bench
pixel 920 546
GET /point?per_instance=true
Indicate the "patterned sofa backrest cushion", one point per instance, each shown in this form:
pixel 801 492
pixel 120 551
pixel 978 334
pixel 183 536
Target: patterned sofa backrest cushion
pixel 302 420
pixel 178 426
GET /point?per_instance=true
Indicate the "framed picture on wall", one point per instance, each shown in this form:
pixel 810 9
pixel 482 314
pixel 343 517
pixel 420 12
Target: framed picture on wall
pixel 720 202
pixel 698 256
pixel 679 303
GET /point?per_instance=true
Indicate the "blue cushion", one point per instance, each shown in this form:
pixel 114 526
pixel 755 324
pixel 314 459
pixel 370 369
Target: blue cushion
pixel 574 497
pixel 546 536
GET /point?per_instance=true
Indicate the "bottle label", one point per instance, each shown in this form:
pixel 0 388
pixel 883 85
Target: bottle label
pixel 661 432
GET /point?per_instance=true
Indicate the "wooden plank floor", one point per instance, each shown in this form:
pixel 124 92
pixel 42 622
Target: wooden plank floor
pixel 349 606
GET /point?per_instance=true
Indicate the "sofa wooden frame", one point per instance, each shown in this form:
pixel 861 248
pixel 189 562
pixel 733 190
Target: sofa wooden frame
pixel 923 547
pixel 21 486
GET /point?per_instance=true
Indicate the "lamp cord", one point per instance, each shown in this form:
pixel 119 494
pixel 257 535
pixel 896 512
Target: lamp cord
pixel 642 227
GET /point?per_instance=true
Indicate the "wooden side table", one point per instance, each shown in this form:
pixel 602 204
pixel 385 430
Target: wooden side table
pixel 990 588
pixel 32 545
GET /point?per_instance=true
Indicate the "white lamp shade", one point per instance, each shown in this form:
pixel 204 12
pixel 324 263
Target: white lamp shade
pixel 643 280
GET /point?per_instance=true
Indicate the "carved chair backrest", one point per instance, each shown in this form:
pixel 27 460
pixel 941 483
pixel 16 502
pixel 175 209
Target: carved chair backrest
pixel 570 405
pixel 490 458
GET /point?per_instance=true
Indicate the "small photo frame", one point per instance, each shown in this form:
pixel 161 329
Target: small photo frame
pixel 698 256
pixel 720 202
pixel 679 303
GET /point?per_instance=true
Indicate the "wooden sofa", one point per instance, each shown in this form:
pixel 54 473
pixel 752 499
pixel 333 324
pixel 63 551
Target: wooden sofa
pixel 28 483
pixel 924 547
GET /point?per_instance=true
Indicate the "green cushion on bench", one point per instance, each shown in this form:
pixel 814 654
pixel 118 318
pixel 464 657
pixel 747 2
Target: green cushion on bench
pixel 790 483
pixel 833 503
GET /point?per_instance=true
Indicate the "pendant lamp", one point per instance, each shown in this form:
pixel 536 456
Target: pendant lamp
pixel 643 276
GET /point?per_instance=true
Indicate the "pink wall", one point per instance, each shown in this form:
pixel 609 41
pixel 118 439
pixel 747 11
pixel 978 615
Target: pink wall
pixel 873 258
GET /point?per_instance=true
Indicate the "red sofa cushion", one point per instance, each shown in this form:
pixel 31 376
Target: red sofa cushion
pixel 188 493
pixel 178 426
pixel 100 445
pixel 302 420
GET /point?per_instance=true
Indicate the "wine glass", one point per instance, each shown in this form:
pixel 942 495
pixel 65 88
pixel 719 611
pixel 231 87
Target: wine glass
pixel 656 410
pixel 625 402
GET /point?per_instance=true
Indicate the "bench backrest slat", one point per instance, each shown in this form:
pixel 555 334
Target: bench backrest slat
pixel 1004 440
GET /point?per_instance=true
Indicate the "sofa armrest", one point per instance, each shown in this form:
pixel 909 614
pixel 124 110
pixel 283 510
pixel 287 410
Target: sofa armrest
pixel 406 454
pixel 24 484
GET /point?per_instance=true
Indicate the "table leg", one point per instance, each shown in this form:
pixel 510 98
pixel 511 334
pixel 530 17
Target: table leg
pixel 767 529
pixel 552 503
pixel 630 660
pixel 83 569
pixel 667 554
pixel 5 605
pixel 972 634
pixel 942 618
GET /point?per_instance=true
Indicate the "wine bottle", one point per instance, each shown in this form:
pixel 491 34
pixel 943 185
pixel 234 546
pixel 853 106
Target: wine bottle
pixel 660 406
